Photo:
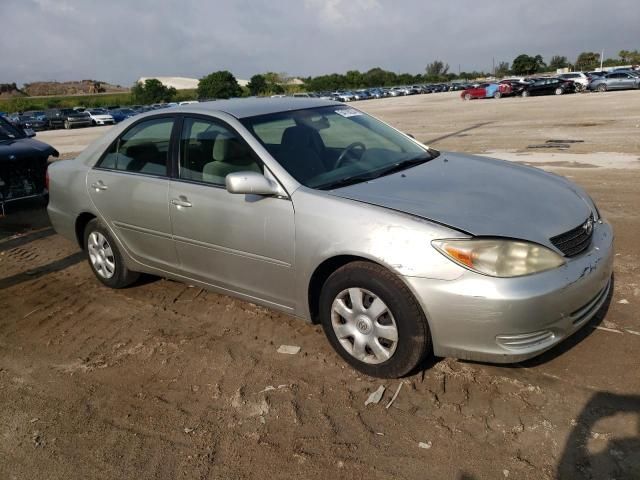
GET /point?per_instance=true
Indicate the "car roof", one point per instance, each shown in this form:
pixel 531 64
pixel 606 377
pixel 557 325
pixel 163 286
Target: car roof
pixel 251 107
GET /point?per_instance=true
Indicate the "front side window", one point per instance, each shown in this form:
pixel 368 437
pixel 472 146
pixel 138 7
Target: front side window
pixel 333 146
pixel 144 148
pixel 210 151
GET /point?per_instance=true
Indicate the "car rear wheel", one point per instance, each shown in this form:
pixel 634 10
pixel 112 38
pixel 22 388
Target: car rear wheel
pixel 67 125
pixel 559 91
pixel 373 321
pixel 104 257
pixel 525 93
pixel 602 87
pixel 467 96
pixel 497 95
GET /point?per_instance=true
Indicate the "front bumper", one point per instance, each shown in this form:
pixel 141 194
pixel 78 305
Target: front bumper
pixel 507 320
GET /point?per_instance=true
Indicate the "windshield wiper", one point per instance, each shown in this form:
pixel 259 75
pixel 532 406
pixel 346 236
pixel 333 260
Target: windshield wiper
pixel 346 181
pixel 395 167
pixel 404 164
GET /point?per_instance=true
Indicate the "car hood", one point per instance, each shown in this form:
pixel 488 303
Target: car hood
pixel 25 148
pixel 480 196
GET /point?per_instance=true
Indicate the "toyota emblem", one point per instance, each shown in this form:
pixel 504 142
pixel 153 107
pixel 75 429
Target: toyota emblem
pixel 588 226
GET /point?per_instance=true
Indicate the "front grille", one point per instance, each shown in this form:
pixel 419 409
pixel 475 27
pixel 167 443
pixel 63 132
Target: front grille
pixel 574 241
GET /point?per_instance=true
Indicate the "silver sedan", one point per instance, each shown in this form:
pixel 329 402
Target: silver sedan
pixel 318 210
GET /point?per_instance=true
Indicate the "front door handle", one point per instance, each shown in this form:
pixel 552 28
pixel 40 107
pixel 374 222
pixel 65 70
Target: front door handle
pixel 99 185
pixel 181 201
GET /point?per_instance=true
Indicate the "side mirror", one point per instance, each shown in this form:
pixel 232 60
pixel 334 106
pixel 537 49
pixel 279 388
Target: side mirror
pixel 251 183
pixel 29 132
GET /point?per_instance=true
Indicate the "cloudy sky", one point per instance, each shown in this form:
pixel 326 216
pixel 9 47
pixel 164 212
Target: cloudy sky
pixel 122 40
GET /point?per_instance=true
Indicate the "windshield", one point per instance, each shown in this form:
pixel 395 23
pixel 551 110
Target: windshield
pixel 8 131
pixel 334 146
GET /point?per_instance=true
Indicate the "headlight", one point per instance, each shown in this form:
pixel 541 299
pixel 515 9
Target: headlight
pixel 498 257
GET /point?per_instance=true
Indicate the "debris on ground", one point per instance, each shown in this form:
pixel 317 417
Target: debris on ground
pixel 612 330
pixel 424 445
pixel 376 396
pixel 289 349
pixel 395 395
pixel 188 430
pixel 624 301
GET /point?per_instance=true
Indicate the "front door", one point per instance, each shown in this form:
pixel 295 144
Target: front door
pixel 129 188
pixel 241 243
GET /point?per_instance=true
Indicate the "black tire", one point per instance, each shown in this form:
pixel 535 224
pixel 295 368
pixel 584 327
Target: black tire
pixel 602 87
pixel 414 337
pixel 497 95
pixel 467 96
pixel 559 91
pixel 525 93
pixel 122 276
pixel 67 125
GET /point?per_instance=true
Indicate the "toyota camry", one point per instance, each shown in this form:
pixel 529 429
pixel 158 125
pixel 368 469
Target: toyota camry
pixel 316 209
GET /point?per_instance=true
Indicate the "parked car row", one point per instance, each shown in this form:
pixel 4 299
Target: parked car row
pixel 558 85
pixel 381 92
pixel 79 117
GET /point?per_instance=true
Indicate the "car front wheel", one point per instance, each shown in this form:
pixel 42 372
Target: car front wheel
pixel 602 87
pixel 104 257
pixel 373 321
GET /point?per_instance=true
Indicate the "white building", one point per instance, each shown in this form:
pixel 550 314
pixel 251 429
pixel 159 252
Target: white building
pixel 183 83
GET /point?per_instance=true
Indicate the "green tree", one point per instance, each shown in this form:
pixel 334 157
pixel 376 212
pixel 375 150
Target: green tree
pixel 527 65
pixel 588 61
pixel 436 71
pixel 502 70
pixel 354 79
pixel 558 61
pixel 629 57
pixel 257 85
pixel 221 84
pixel 152 91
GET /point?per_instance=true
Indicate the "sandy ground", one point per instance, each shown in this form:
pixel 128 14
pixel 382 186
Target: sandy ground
pixel 164 381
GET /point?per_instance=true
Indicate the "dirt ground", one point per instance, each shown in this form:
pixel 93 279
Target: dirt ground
pixel 165 381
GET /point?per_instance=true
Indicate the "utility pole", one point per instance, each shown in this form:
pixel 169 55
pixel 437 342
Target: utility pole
pixel 601 59
pixel 493 61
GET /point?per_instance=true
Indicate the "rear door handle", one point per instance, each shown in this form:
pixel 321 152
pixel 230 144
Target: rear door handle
pixel 99 185
pixel 181 201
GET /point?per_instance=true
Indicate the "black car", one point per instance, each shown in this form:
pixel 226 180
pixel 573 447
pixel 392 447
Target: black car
pixel 548 86
pixel 29 122
pixel 23 164
pixel 67 118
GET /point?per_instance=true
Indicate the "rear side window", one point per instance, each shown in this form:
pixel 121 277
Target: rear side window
pixel 144 148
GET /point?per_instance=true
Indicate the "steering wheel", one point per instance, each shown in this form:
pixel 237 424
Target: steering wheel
pixel 347 150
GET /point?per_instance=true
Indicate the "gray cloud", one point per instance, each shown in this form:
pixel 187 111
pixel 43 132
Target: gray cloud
pixel 121 40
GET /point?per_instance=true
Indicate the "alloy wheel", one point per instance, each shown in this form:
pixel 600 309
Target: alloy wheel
pixel 364 325
pixel 101 255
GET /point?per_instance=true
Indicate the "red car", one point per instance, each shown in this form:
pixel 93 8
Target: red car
pixel 487 90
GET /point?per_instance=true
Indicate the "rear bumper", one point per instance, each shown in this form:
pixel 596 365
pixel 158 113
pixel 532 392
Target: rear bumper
pixel 507 320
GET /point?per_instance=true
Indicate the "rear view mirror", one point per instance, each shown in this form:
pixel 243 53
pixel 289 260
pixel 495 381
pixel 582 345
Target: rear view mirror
pixel 251 183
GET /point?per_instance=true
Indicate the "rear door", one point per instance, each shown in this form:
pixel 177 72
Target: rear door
pixel 240 243
pixel 129 187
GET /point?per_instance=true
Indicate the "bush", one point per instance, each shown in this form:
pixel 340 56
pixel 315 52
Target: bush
pixel 152 91
pixel 220 84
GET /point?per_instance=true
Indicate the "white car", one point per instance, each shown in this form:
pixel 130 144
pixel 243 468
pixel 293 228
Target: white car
pixel 100 117
pixel 576 77
pixel 188 102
